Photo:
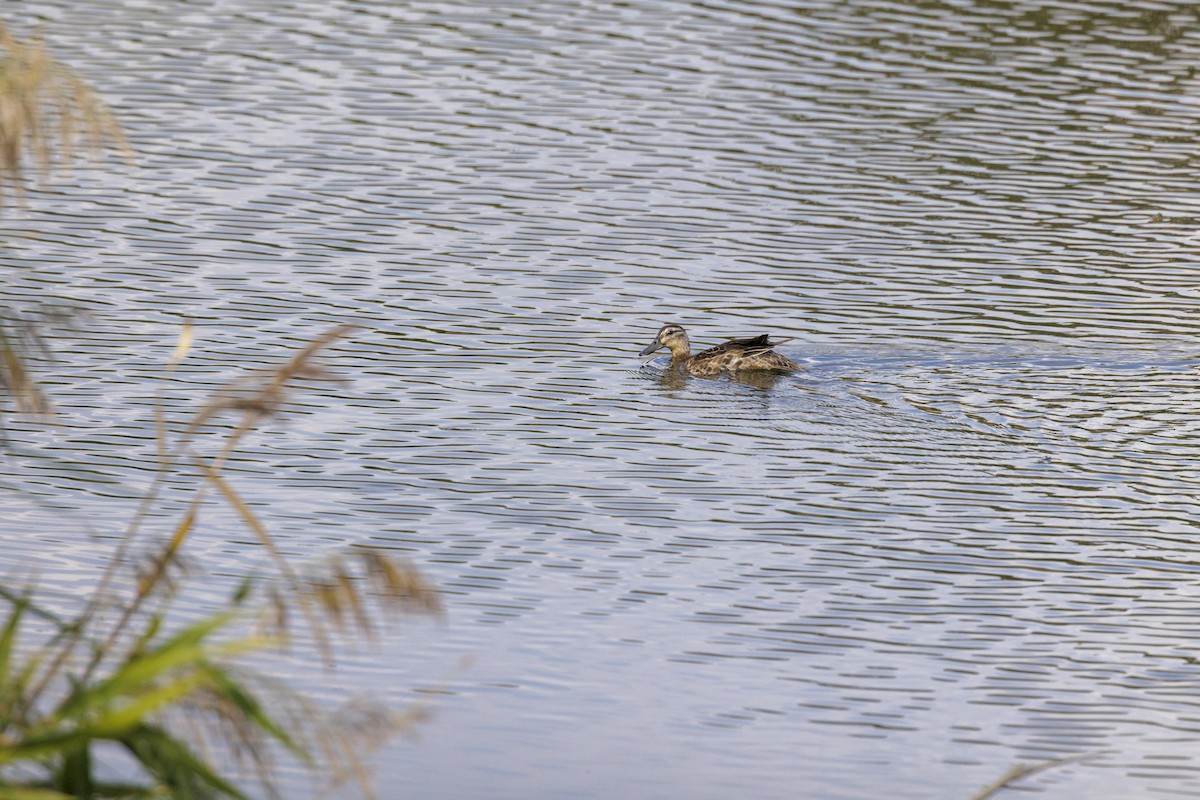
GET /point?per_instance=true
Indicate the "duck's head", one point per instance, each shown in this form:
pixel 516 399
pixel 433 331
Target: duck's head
pixel 674 338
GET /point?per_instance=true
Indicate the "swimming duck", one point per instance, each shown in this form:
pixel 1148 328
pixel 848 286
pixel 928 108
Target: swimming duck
pixel 736 355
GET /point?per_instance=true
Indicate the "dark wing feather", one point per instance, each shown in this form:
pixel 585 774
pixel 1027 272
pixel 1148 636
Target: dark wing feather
pixel 760 342
pixel 751 344
pixel 753 352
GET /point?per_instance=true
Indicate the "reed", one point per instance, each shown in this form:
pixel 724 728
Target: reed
pixel 174 698
pixel 1019 771
pixel 47 114
pixel 120 672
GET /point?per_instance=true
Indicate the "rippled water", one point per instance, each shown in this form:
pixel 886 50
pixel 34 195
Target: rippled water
pixel 964 537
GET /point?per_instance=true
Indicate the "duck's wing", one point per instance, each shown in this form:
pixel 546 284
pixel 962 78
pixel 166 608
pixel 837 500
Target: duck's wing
pixel 760 342
pixel 723 349
pixel 737 347
pixel 754 344
pixel 741 348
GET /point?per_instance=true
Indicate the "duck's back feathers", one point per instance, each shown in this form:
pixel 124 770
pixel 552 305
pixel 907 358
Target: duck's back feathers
pixel 753 353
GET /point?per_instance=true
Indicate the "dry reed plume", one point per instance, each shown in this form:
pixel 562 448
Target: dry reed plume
pixel 45 112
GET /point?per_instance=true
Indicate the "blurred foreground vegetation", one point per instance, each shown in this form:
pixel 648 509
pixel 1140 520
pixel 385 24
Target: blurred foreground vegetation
pixel 120 680
pixel 46 113
pixel 122 673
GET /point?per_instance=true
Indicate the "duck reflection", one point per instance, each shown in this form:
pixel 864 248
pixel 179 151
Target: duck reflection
pixel 674 379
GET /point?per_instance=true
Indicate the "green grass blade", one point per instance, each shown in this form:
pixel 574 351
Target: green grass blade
pixel 11 690
pixel 8 636
pixel 49 744
pixel 16 793
pixel 117 723
pixel 176 767
pixel 183 650
pixel 245 702
pixel 75 773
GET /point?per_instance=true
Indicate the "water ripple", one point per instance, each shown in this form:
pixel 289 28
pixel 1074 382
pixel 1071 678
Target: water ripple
pixel 962 537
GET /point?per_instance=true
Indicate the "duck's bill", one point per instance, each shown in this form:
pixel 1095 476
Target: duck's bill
pixel 651 349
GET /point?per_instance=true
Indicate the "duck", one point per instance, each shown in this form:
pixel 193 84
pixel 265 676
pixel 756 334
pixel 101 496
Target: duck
pixel 736 355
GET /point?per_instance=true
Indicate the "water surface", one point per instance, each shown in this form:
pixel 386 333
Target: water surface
pixel 963 537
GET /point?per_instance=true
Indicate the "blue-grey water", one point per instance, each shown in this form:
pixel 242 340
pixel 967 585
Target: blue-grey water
pixel 967 536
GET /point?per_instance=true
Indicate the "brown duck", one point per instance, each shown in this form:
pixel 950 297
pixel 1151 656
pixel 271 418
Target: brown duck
pixel 736 355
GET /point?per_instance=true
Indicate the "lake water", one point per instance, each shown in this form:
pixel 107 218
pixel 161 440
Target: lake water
pixel 968 535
